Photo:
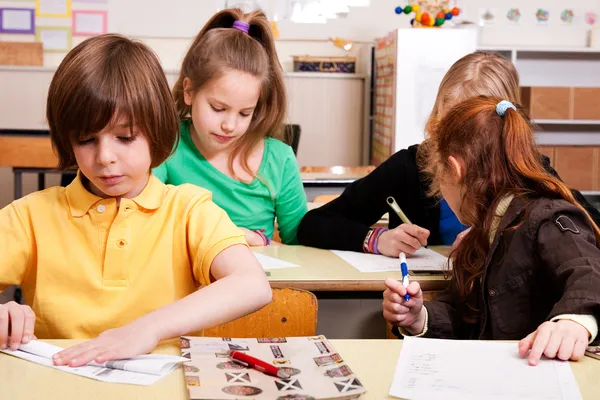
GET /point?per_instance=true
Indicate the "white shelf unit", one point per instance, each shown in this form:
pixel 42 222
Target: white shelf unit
pixel 558 67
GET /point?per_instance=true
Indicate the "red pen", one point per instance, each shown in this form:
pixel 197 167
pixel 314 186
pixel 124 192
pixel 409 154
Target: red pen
pixel 259 365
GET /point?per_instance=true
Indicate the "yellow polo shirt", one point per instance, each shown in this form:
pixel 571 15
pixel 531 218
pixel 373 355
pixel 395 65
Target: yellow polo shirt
pixel 86 265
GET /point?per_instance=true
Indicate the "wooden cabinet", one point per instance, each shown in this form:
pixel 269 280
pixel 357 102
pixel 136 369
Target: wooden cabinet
pixel 547 102
pixel 578 166
pixel 586 103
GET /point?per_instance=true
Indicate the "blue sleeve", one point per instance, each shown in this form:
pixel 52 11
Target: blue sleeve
pixel 290 205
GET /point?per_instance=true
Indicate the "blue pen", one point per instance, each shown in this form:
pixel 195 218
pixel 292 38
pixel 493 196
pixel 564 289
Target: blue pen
pixel 404 268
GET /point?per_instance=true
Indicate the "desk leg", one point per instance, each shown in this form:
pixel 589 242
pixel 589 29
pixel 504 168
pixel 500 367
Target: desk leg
pixel 41 181
pixel 18 178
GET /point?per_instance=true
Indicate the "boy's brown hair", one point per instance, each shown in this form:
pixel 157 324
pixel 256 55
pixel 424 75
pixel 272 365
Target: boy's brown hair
pixel 219 47
pixel 108 79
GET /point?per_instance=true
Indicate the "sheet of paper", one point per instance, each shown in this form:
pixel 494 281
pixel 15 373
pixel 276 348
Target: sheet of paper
pixel 268 262
pixel 89 22
pixel 54 39
pixel 467 369
pixel 54 7
pixel 17 20
pixel 141 370
pixel 423 260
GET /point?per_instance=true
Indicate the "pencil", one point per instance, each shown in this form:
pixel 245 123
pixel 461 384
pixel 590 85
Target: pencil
pixel 392 203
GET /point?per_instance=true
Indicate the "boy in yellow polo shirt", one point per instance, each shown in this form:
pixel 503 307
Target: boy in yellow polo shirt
pixel 117 255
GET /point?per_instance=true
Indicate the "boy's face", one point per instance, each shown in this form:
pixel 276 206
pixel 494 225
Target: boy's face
pixel 115 161
pixel 222 110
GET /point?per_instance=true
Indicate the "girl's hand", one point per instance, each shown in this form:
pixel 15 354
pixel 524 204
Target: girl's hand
pixel 128 341
pixel 563 339
pixel 410 314
pixel 21 320
pixel 253 238
pixel 405 238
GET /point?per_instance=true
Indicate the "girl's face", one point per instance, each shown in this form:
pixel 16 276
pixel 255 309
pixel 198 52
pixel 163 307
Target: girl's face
pixel 452 190
pixel 222 109
pixel 114 160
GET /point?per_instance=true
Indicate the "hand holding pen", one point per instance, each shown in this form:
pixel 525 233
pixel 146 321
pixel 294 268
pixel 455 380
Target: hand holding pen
pixel 406 238
pixel 403 302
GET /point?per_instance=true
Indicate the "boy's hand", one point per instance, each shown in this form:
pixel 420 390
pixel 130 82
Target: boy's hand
pixel 128 341
pixel 18 322
pixel 410 314
pixel 405 238
pixel 564 339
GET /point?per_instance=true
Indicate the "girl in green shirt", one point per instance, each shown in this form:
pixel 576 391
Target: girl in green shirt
pixel 231 98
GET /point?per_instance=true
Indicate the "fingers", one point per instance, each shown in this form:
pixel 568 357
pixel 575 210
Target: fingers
pixel 71 355
pixel 395 286
pixel 409 243
pixel 414 289
pixel 566 348
pixel 579 349
pixel 18 322
pixel 3 327
pixel 526 343
pixel 539 344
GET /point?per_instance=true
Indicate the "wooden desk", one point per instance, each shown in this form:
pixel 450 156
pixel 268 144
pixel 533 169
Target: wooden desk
pixel 321 270
pixel 373 361
pixel 349 300
pixel 26 151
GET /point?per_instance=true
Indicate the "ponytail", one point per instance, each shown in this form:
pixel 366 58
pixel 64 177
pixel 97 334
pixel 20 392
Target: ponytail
pixel 495 141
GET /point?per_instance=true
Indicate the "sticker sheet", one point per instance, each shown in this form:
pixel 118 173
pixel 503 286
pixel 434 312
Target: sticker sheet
pixel 316 370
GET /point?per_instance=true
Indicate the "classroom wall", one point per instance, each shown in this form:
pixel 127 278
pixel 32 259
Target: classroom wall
pixel 169 26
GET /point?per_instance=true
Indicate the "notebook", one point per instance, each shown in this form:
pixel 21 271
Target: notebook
pixel 317 371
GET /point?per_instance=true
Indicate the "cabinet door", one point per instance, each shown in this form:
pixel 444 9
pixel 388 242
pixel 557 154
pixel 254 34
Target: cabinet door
pixel 577 166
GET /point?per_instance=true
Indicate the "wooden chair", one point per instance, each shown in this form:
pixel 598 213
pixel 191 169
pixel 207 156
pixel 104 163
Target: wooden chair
pixel 293 312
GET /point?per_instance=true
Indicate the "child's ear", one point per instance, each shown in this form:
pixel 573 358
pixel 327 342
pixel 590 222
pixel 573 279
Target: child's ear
pixel 456 168
pixel 187 92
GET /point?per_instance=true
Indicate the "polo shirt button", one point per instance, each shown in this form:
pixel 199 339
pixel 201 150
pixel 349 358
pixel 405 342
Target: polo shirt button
pixel 121 243
pixel 101 208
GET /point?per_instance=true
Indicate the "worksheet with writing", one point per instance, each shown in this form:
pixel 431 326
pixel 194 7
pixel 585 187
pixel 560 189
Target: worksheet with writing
pixel 467 369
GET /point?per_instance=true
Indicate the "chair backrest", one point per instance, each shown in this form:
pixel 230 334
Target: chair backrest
pixel 292 136
pixel 293 312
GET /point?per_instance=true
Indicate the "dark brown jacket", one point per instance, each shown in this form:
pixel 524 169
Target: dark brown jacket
pixel 547 266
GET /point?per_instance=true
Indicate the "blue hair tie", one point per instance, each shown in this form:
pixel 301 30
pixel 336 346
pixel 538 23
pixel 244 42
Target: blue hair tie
pixel 503 106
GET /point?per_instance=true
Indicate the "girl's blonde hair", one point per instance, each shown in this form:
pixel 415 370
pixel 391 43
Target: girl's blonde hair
pixel 219 47
pixel 476 74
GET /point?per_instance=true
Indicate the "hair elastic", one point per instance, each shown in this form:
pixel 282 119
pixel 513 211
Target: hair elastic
pixel 503 106
pixel 242 26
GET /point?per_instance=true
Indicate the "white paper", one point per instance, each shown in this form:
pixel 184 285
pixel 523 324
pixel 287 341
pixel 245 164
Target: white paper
pixel 140 370
pixel 54 6
pixel 54 39
pixel 16 20
pixel 272 262
pixel 468 369
pixel 423 260
pixel 89 23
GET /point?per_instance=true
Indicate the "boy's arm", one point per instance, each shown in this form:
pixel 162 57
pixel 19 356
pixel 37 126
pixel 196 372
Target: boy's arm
pixel 234 285
pixel 15 247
